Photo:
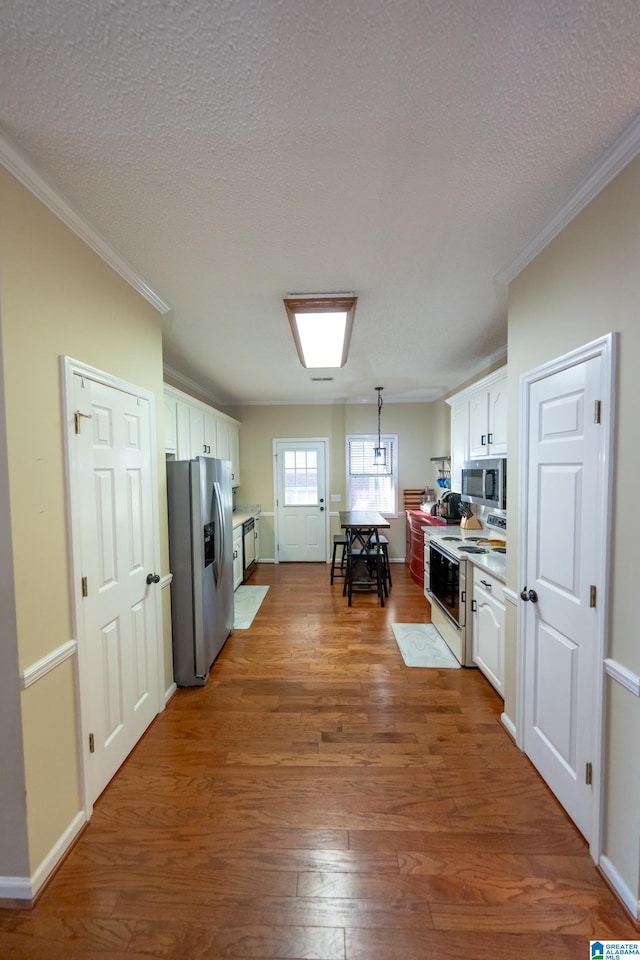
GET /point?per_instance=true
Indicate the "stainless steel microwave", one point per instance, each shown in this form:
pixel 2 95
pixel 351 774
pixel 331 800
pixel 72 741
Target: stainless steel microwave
pixel 485 482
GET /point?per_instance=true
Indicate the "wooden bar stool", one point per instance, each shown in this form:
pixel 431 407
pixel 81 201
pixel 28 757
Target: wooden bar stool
pixel 339 540
pixel 365 571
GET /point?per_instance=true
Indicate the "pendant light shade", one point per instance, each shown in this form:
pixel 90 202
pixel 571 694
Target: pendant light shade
pixel 379 452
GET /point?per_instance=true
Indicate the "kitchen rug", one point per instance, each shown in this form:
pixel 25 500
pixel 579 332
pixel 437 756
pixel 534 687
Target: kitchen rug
pixel 246 603
pixel 422 646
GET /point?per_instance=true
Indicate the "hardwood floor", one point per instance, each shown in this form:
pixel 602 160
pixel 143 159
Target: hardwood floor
pixel 320 800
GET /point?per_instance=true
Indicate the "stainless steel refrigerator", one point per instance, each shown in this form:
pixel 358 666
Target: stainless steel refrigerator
pixel 201 558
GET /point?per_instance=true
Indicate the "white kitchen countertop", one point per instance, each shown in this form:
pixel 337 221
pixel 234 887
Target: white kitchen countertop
pixel 492 563
pixel 244 511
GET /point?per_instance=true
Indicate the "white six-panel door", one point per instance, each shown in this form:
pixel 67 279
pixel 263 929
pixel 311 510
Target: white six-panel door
pixel 564 590
pixel 112 506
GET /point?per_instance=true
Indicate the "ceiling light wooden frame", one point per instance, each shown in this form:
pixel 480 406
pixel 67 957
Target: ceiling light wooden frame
pixel 321 303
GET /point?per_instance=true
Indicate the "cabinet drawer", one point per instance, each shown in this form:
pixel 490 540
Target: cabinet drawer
pixel 488 582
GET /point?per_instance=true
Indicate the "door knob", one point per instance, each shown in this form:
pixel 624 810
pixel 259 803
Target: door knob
pixel 533 596
pixel 529 595
pixel 321 508
pixel 153 578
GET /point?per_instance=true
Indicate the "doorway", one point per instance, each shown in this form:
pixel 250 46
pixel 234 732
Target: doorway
pixel 300 481
pixel 566 465
pixel 113 513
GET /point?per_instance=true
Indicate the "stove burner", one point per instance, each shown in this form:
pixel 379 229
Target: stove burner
pixel 499 550
pixel 473 549
pixel 452 538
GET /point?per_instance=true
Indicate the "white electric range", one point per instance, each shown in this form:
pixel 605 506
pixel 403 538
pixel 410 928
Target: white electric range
pixel 446 587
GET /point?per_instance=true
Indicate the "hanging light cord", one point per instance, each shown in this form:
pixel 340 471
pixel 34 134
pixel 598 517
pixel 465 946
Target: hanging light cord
pixel 379 453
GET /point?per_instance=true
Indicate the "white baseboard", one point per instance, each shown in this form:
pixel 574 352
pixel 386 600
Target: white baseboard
pixel 509 725
pixel 15 888
pixel 169 692
pixel 620 887
pixel 27 888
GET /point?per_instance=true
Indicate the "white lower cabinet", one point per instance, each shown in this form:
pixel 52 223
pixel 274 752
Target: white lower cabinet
pixel 238 564
pixel 488 627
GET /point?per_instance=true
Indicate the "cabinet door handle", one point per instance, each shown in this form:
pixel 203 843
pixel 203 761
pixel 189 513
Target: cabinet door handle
pixel 485 583
pixel 474 606
pixel 483 440
pixel 489 438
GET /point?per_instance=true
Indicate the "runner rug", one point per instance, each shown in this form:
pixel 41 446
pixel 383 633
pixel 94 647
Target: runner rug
pixel 246 603
pixel 422 646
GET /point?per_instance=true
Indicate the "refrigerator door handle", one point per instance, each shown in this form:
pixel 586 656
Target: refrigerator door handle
pixel 220 538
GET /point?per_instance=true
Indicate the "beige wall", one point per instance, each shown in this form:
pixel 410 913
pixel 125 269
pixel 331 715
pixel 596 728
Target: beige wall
pixel 585 284
pixel 422 429
pixel 56 298
pixel 14 847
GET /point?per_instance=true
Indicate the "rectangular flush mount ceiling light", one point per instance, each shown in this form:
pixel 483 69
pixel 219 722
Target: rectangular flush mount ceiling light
pixel 321 326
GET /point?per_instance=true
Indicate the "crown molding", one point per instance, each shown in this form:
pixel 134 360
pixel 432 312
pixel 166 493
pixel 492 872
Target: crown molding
pixel 615 159
pixel 184 381
pixel 22 170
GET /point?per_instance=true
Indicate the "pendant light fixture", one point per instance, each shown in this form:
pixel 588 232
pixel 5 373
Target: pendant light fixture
pixel 379 452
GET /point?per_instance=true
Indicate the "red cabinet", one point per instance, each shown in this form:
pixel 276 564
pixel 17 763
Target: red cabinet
pixel 414 552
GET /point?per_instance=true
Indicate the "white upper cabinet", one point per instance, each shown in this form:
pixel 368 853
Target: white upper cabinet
pixel 170 426
pixel 194 429
pixel 228 443
pixel 202 433
pixel 459 441
pixel 478 422
pixel 222 440
pixel 488 421
pixel 183 431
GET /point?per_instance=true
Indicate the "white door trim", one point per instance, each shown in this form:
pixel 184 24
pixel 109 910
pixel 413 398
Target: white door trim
pixel 604 347
pixel 69 369
pixel 274 447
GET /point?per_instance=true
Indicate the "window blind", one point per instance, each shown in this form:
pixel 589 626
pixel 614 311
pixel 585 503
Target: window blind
pixel 371 486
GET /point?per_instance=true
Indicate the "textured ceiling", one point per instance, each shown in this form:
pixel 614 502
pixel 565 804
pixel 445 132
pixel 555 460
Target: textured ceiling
pixel 236 152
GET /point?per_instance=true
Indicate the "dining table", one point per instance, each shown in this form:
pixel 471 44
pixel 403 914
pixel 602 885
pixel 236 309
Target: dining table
pixel 366 564
pixel 362 526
